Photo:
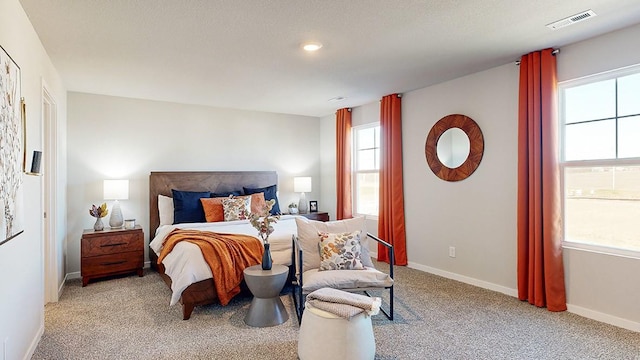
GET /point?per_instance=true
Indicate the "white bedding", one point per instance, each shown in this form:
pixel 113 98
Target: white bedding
pixel 185 264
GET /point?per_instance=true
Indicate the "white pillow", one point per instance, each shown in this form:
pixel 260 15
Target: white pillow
pixel 165 210
pixel 309 239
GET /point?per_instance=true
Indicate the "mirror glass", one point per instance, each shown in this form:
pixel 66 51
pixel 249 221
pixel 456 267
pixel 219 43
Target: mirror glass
pixel 453 147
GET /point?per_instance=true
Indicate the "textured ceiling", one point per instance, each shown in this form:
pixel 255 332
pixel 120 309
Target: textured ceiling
pixel 245 54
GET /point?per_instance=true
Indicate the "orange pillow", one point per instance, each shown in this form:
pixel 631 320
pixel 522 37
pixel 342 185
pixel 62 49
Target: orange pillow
pixel 214 211
pixel 258 202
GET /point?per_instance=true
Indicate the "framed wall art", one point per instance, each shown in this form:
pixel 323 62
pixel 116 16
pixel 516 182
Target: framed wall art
pixel 12 149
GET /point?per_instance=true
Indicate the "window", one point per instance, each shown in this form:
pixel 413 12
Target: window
pixel 600 153
pixel 366 168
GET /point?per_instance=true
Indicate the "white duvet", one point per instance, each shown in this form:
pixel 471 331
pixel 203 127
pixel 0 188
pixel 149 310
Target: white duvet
pixel 185 264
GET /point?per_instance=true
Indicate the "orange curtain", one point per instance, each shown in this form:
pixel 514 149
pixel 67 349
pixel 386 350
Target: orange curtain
pixel 540 268
pixel 343 164
pixel 391 225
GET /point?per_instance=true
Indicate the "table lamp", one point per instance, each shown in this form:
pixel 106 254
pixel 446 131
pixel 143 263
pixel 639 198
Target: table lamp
pixel 302 184
pixel 116 190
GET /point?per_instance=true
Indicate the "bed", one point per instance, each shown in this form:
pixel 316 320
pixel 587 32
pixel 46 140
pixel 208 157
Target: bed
pixel 199 290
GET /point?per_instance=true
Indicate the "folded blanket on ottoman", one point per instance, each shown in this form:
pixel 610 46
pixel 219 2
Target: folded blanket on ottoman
pixel 343 304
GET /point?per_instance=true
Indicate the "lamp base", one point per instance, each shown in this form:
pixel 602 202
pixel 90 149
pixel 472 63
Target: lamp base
pixel 116 221
pixel 302 204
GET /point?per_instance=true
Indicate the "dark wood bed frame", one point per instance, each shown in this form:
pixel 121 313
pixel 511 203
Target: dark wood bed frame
pixel 161 183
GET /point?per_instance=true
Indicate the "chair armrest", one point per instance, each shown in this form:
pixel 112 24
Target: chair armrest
pixel 297 265
pixel 388 246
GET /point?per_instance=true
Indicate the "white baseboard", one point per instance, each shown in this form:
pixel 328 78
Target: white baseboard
pixel 465 279
pixel 72 275
pixel 578 310
pixel 605 318
pixel 35 342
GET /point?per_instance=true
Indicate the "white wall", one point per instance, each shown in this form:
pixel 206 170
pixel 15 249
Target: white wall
pixel 478 215
pixel 112 137
pixel 328 165
pixel 21 259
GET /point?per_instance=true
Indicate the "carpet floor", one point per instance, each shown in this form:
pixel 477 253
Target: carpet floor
pixel 436 318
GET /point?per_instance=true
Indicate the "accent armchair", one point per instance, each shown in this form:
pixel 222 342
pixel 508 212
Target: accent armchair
pixel 308 276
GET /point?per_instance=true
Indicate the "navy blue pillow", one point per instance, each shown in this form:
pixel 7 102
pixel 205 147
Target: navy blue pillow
pixel 187 207
pixel 226 194
pixel 269 193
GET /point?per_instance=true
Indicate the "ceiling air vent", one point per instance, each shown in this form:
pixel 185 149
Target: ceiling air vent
pixel 588 14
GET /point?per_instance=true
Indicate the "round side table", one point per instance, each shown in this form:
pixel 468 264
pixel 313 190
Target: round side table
pixel 266 307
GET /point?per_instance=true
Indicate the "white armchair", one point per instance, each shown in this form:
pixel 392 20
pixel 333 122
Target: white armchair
pixel 308 276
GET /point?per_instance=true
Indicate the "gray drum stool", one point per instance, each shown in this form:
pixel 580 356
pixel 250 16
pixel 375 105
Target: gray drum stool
pixel 266 307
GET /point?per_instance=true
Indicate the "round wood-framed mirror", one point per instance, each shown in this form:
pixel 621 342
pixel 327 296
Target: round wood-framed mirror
pixel 475 147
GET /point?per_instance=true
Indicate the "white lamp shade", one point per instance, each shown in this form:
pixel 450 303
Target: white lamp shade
pixel 302 184
pixel 116 189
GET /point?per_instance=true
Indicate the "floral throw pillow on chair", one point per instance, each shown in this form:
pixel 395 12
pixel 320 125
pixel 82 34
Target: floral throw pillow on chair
pixel 340 251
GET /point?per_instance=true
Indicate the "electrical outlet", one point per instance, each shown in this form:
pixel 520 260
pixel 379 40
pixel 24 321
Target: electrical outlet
pixel 452 251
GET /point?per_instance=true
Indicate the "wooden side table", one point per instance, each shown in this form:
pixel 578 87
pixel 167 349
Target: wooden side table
pixel 111 252
pixel 319 216
pixel 266 307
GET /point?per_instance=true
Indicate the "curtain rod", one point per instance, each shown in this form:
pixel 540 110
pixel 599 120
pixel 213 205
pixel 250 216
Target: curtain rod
pixel 554 52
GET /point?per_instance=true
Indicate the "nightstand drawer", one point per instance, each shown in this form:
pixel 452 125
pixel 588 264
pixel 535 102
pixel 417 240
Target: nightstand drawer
pixel 102 245
pixel 106 264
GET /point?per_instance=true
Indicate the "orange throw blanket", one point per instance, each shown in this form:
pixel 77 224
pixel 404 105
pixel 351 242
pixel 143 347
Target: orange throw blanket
pixel 226 254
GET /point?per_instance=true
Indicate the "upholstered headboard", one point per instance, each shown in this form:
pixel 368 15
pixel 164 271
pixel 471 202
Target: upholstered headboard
pixel 161 183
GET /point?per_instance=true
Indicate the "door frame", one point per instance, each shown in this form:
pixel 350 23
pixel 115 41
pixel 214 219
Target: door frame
pixel 49 200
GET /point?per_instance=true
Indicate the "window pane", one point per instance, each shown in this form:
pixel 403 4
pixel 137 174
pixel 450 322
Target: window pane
pixel 367 194
pixel 377 159
pixel 377 139
pixel 629 137
pixel 366 138
pixel 602 206
pixel 590 102
pixel 629 95
pixel 366 160
pixel 593 140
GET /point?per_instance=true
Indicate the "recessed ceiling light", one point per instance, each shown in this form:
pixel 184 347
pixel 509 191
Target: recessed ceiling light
pixel 311 46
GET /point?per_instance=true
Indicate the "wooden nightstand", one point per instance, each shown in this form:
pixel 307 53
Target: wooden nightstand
pixel 319 216
pixel 111 252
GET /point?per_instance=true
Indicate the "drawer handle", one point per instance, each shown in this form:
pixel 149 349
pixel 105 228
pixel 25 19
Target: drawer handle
pixel 114 244
pixel 114 262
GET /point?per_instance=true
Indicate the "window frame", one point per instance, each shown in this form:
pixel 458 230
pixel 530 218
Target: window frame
pixel 607 162
pixel 354 167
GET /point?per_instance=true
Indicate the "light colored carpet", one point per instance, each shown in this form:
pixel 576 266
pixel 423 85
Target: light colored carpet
pixel 436 318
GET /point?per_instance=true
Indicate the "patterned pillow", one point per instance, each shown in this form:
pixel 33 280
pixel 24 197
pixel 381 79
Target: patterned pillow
pixel 236 208
pixel 340 251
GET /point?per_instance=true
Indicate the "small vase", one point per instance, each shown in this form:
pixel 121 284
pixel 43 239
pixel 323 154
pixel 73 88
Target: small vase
pixel 266 258
pixel 98 226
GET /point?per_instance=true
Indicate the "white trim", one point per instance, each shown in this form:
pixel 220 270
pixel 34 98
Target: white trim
pixel 605 318
pixel 465 279
pixel 34 343
pixel 73 275
pixel 49 122
pixel 64 282
pixel 575 309
pixel 603 250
